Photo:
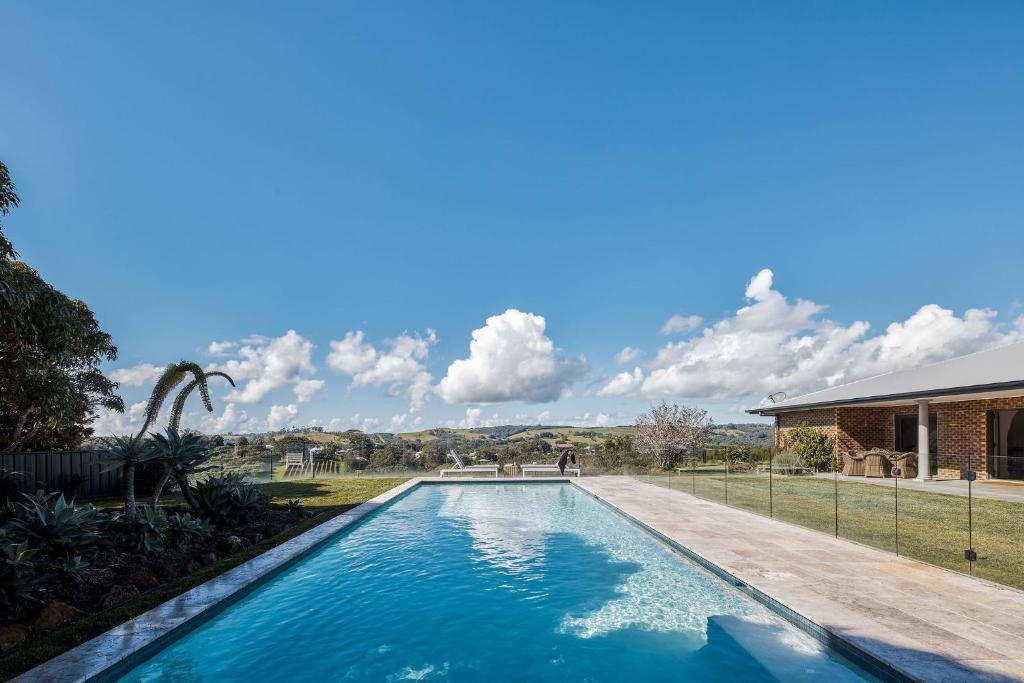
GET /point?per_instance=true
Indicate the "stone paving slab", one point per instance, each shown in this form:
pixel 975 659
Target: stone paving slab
pixel 929 623
pixel 92 658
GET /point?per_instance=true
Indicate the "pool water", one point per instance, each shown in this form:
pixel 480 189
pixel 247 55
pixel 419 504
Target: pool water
pixel 495 582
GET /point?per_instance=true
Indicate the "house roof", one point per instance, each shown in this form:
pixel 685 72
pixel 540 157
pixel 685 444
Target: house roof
pixel 995 372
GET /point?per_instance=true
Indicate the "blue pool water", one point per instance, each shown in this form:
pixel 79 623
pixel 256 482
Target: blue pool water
pixel 504 582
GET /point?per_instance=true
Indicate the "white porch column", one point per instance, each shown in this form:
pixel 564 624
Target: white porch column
pixel 923 468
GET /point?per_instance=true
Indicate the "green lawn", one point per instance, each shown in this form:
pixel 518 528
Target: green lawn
pixel 328 496
pixel 932 527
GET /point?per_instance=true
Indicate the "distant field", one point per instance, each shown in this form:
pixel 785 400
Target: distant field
pixel 724 435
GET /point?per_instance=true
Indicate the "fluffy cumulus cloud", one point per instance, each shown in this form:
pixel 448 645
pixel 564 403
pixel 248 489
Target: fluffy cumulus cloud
pixel 627 355
pixel 775 344
pixel 281 416
pixel 511 359
pixel 396 364
pixel 681 323
pixel 220 348
pixel 137 375
pixel 262 365
pixel 623 383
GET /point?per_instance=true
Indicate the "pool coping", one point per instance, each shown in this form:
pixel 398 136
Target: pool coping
pixel 116 651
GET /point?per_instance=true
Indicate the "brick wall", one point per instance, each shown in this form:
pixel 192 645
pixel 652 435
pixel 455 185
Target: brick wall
pixel 824 420
pixel 962 429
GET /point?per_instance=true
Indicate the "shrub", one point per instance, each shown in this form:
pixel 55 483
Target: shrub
pixel 185 529
pixel 59 526
pixel 227 498
pixel 814 448
pixel 17 573
pixel 787 463
pixel 147 533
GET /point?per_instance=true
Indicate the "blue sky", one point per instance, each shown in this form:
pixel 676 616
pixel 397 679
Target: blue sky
pixel 202 174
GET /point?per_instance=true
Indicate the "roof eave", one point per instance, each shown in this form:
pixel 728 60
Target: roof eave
pixel 908 396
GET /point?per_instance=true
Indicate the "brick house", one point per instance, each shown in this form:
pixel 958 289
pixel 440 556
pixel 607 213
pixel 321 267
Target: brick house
pixel 960 414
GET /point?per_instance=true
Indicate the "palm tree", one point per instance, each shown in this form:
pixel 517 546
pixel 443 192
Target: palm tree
pixel 126 453
pixel 181 455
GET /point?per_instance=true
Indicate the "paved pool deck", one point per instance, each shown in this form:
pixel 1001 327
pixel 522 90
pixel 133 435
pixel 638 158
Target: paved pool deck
pixel 930 623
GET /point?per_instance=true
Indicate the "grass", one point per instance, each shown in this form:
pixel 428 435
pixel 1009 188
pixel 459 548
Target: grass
pixel 329 497
pixel 932 527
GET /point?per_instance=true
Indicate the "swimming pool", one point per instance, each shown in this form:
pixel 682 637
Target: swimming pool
pixel 495 582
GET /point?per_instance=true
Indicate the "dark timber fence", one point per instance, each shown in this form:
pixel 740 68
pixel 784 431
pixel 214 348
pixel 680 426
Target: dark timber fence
pixel 76 474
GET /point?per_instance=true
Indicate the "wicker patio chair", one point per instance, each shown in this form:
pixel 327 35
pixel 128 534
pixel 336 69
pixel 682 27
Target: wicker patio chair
pixel 907 462
pixel 853 464
pixel 876 463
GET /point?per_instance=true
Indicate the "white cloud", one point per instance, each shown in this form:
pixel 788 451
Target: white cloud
pixel 263 365
pixel 137 375
pixel 511 359
pixel 399 366
pixel 281 416
pixel 543 416
pixel 305 388
pixel 220 348
pixel 474 418
pixel 623 383
pixel 627 355
pixel 773 344
pixel 109 422
pixel 604 420
pixel 681 323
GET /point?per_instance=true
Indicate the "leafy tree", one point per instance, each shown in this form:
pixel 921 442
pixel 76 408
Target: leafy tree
pixel 668 431
pixel 51 347
pixel 8 200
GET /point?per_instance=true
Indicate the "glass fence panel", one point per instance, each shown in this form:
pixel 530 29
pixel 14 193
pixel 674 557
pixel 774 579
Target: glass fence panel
pixel 709 475
pixel 998 520
pixel 661 478
pixel 749 482
pixel 932 524
pixel 866 501
pixel 800 495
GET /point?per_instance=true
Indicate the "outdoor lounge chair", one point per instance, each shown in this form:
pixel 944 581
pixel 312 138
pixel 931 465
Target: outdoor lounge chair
pixel 853 464
pixel 550 470
pixel 876 463
pixel 294 463
pixel 907 462
pixel 461 466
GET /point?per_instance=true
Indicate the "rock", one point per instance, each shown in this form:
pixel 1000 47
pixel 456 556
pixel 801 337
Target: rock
pixel 118 595
pixel 55 614
pixel 233 544
pixel 12 636
pixel 191 567
pixel 143 580
pixel 208 558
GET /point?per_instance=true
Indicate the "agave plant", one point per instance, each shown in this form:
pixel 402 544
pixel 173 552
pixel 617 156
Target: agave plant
pixel 181 455
pixel 125 453
pixel 172 376
pixel 179 402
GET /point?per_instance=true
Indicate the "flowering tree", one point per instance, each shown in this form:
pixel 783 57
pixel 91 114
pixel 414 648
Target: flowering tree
pixel 666 432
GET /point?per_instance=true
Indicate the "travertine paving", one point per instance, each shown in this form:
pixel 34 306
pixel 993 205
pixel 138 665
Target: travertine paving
pixel 929 623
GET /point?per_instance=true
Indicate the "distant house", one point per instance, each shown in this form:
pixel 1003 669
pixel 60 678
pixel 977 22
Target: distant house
pixel 968 411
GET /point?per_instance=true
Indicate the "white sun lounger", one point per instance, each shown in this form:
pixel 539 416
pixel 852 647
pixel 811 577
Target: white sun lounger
pixel 548 469
pixel 461 466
